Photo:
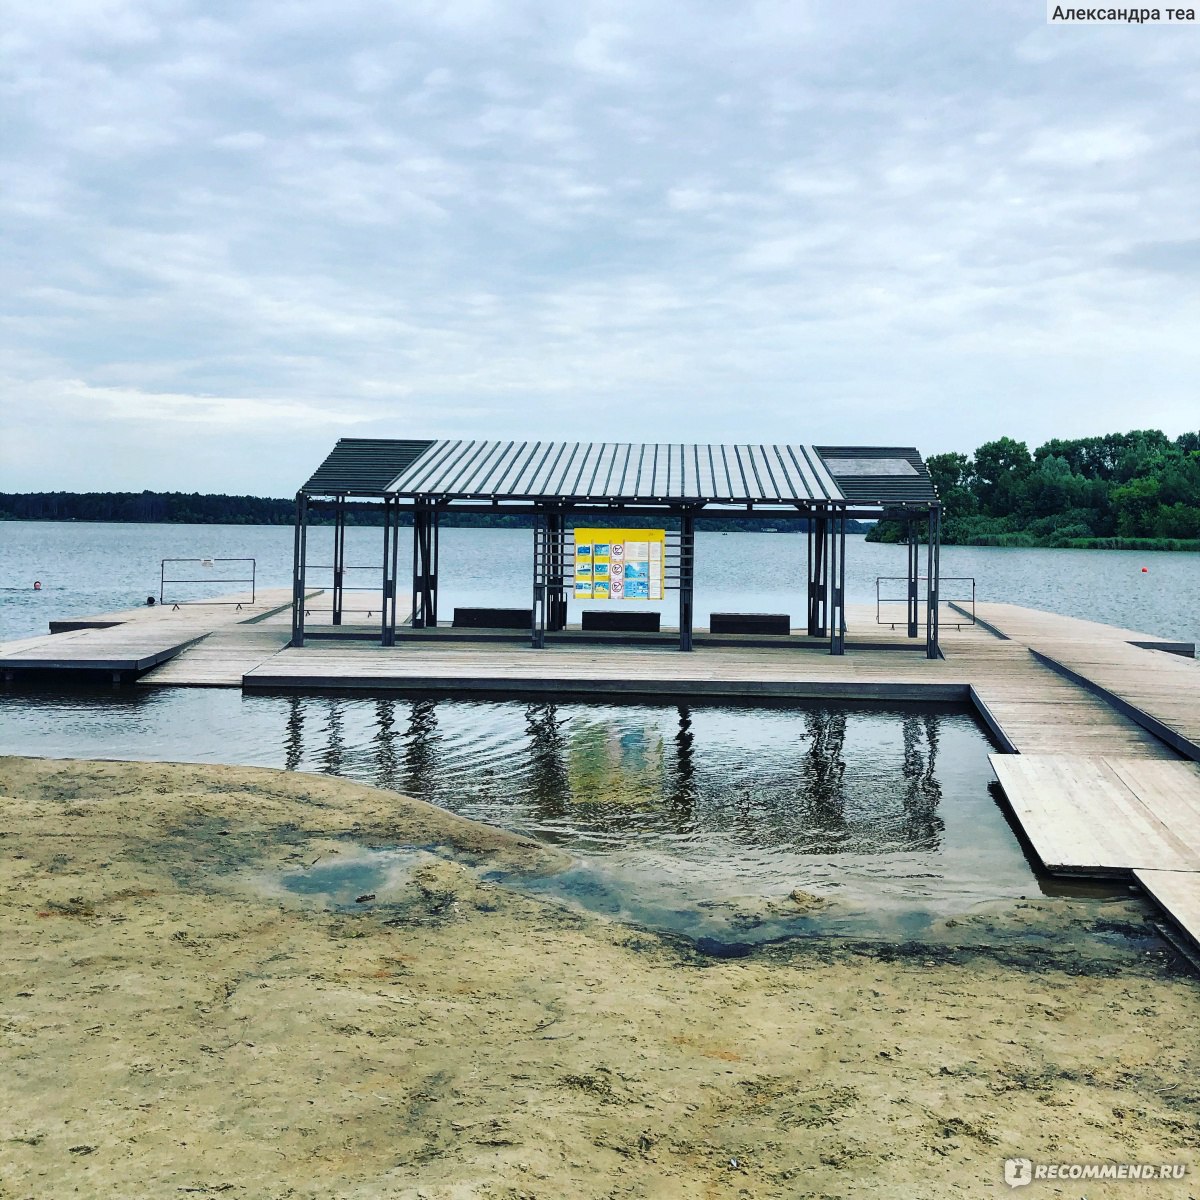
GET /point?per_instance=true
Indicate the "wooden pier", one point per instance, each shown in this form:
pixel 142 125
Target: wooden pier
pixel 1099 727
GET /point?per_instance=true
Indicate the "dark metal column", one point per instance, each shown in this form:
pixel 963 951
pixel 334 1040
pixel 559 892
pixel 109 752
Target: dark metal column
pixel 339 557
pixel 933 583
pixel 914 572
pixel 837 584
pixel 818 579
pixel 416 617
pixel 541 540
pixel 687 577
pixel 431 593
pixel 808 576
pixel 424 585
pixel 395 551
pixel 556 617
pixel 387 631
pixel 299 550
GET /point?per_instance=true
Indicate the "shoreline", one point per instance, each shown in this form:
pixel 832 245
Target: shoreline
pixel 175 1018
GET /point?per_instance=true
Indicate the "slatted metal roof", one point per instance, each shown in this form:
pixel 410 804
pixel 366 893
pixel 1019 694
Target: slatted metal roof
pixel 879 474
pixel 623 472
pixel 618 471
pixel 363 466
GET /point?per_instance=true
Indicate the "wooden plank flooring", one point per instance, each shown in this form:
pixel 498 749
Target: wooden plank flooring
pixel 1097 815
pixel 221 659
pixel 1178 894
pixel 137 639
pixel 1159 691
pixel 117 650
pixel 1103 815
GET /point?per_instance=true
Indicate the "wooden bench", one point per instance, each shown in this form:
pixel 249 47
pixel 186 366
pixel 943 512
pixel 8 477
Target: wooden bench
pixel 774 623
pixel 493 618
pixel 615 620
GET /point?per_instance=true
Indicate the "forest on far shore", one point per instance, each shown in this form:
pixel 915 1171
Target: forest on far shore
pixel 1137 490
pixel 181 508
pixel 1123 490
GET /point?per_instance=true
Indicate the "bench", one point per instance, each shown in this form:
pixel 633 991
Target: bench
pixel 613 619
pixel 774 623
pixel 493 618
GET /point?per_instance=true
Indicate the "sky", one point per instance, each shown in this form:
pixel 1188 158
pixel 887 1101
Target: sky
pixel 233 233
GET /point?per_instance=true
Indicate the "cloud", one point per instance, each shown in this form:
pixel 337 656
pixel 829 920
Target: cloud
pixel 270 224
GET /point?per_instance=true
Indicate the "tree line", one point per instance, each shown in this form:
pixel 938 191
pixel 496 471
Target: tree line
pixel 1138 489
pixel 180 508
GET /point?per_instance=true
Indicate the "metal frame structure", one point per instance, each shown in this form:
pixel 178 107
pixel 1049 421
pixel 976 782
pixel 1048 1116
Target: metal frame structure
pixel 558 483
pixel 209 581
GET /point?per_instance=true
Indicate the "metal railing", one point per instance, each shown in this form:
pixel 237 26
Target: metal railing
pixel 373 590
pixel 210 580
pixel 958 618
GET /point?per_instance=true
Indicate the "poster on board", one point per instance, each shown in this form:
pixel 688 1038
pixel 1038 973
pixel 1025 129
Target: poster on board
pixel 620 564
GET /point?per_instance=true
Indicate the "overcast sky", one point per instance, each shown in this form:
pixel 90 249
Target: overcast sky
pixel 235 232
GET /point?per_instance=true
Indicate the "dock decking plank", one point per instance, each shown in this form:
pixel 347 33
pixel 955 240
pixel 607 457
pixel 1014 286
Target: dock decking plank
pixel 1101 815
pixel 1178 894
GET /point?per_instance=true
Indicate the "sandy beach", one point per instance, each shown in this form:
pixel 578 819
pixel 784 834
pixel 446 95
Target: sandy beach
pixel 181 1014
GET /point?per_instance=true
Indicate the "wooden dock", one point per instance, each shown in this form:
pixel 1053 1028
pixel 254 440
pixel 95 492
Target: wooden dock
pixel 1099 726
pixel 125 645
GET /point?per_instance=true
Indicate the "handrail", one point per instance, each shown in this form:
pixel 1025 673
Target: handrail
pixel 251 579
pixel 943 599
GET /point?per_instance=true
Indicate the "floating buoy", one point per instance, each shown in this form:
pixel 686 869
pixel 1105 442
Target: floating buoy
pixel 37 585
pixel 1145 570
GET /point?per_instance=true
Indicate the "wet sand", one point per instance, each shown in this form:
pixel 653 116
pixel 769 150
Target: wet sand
pixel 175 1021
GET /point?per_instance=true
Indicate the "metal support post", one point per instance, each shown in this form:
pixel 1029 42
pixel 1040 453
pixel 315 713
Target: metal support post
pixel 424 573
pixel 836 587
pixel 933 583
pixel 387 635
pixel 914 572
pixel 395 552
pixel 431 593
pixel 687 577
pixel 299 551
pixel 556 617
pixel 541 539
pixel 808 576
pixel 339 558
pixel 416 616
pixel 425 550
pixel 818 577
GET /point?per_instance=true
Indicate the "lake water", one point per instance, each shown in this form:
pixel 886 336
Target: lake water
pixel 88 568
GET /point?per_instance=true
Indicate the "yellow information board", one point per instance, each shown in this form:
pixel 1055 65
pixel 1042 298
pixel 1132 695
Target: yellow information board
pixel 620 564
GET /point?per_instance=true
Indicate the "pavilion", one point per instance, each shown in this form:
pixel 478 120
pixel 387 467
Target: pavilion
pixel 564 485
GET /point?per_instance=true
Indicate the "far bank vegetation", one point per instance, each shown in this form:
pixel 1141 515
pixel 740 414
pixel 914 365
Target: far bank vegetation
pixel 1137 490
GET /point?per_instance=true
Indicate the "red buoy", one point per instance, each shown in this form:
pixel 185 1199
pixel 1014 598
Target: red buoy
pixel 1145 570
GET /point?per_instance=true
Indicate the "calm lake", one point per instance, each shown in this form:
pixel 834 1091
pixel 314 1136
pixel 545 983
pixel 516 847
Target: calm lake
pixel 88 568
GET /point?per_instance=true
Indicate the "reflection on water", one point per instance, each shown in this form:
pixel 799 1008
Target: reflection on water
pixel 923 794
pixel 421 750
pixel 671 804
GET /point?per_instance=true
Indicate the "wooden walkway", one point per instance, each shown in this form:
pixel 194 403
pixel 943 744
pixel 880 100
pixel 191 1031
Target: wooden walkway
pixel 1111 815
pixel 1101 815
pixel 127 644
pixel 1096 728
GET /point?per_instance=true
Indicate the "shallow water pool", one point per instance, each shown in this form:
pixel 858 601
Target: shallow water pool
pixel 716 814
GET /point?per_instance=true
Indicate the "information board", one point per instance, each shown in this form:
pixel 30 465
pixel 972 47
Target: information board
pixel 620 564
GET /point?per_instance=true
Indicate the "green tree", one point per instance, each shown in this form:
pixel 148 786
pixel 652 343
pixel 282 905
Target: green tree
pixel 1001 470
